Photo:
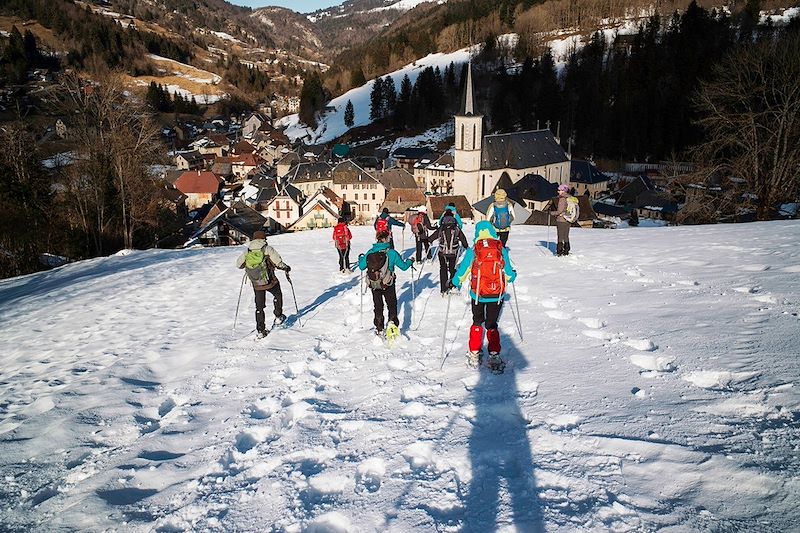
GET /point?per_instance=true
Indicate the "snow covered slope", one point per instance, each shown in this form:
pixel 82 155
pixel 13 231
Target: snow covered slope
pixel 331 123
pixel 656 387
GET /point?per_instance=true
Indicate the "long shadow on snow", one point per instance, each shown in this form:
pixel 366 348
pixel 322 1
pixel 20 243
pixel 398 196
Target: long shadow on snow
pixel 327 295
pixel 549 246
pixel 499 449
pixel 405 298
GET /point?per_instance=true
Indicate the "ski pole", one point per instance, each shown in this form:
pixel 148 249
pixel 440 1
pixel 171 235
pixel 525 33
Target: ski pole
pixel 413 295
pixel 517 317
pixel 548 231
pixel 443 356
pixel 361 292
pixel 238 301
pixel 294 296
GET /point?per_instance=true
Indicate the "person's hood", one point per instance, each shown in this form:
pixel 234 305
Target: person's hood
pixel 447 219
pixel 257 244
pixel 484 230
pixel 380 246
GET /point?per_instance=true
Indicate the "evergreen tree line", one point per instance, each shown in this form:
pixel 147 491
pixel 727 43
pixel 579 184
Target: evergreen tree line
pixel 21 55
pixel 96 43
pixel 159 99
pixel 424 103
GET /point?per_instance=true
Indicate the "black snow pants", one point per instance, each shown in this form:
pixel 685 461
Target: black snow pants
pixel 390 296
pixel 261 302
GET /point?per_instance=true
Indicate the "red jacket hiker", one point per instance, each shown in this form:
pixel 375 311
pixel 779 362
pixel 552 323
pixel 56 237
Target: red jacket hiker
pixel 341 240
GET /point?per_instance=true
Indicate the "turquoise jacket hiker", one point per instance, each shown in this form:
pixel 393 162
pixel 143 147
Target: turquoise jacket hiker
pixel 391 255
pixel 483 230
pixel 455 214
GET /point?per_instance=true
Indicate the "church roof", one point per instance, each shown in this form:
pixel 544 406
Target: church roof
pixel 521 150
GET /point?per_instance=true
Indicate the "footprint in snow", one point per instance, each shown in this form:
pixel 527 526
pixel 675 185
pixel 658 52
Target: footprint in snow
pixel 252 437
pixel 294 370
pixel 558 315
pixel 643 345
pixel 562 422
pixel 549 304
pixel 718 379
pixel 598 334
pixel 370 473
pixel 413 410
pixel 263 408
pixel 594 323
pixel 653 362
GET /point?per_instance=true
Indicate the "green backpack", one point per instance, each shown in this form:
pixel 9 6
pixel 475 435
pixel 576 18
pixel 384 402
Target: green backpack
pixel 258 268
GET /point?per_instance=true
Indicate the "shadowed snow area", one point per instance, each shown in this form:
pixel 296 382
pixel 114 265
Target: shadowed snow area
pixel 656 387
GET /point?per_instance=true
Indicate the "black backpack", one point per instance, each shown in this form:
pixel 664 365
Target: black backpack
pixel 378 274
pixel 448 240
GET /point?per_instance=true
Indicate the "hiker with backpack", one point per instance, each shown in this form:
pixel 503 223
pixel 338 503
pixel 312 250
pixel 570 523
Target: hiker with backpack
pixel 379 263
pixel 384 222
pixel 451 240
pixel 420 224
pixel 566 213
pixel 488 268
pixel 341 240
pixel 501 215
pixel 260 261
pixel 453 211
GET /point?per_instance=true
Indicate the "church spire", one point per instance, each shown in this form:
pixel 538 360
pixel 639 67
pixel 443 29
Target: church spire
pixel 468 100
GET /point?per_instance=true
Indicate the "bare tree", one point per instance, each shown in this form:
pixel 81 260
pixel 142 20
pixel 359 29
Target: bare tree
pixel 118 143
pixel 751 113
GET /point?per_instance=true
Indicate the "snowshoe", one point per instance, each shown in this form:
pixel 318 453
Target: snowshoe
pixel 379 333
pixel 495 364
pixel 261 334
pixel 392 332
pixel 279 320
pixel 474 359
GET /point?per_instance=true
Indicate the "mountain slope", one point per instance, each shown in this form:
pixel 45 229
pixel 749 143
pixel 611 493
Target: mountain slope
pixel 654 389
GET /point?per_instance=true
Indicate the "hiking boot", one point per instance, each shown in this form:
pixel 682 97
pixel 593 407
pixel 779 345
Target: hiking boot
pixel 474 359
pixel 566 248
pixel 379 333
pixel 260 334
pixel 279 320
pixel 495 364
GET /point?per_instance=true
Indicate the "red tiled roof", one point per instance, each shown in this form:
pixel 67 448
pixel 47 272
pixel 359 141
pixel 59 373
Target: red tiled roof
pixel 193 181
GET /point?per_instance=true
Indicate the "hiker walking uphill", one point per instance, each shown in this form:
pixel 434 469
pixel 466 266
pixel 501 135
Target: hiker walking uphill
pixel 501 215
pixel 488 268
pixel 341 240
pixel 384 222
pixel 567 212
pixel 260 261
pixel 379 263
pixel 453 211
pixel 420 224
pixel 451 240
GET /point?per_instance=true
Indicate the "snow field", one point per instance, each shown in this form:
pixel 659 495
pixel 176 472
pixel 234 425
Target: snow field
pixel 129 403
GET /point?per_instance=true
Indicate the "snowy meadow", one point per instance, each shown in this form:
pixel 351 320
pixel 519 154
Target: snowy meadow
pixel 655 387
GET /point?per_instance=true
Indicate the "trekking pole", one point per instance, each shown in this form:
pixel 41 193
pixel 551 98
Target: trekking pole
pixel 361 292
pixel 517 317
pixel 236 316
pixel 548 231
pixel 443 356
pixel 413 295
pixel 297 310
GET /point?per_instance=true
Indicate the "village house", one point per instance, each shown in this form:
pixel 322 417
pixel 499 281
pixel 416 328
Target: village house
pixel 321 210
pixel 286 162
pixel 360 189
pixel 191 160
pixel 480 161
pixel 200 187
pixel 436 177
pixel 281 202
pixel 228 226
pixel 438 204
pixel 398 201
pixel 585 178
pixel 253 123
pixel 311 177
pixel 408 157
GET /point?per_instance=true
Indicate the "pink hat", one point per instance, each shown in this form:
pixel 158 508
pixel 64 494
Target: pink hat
pixel 563 188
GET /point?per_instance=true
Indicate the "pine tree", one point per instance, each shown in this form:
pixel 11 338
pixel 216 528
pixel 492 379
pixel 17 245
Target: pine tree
pixel 376 100
pixel 389 96
pixel 349 114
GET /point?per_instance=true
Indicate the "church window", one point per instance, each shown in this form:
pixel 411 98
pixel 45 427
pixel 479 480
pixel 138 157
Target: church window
pixel 474 134
pixel 462 136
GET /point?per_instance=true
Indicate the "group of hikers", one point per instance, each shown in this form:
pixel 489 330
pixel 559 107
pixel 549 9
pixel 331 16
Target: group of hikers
pixel 486 266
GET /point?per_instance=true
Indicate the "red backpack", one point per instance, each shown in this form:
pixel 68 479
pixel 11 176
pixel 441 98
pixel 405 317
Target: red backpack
pixel 340 236
pixel 382 225
pixel 488 277
pixel 416 223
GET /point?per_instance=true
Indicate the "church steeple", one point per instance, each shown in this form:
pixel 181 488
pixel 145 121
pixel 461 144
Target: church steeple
pixel 469 96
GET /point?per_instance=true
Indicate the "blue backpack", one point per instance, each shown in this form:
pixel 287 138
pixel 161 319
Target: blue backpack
pixel 502 216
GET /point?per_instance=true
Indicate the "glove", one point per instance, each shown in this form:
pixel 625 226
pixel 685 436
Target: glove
pixel 513 276
pixel 360 256
pixel 288 268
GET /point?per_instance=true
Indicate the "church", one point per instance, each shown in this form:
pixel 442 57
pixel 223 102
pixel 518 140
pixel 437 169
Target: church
pixel 481 160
